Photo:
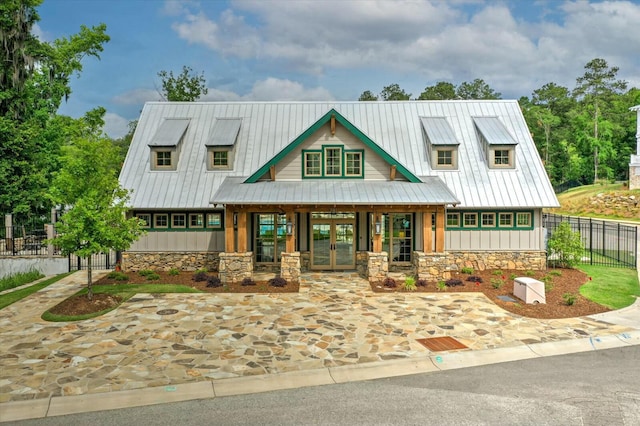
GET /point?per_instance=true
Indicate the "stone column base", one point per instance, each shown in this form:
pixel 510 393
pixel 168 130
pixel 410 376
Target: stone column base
pixel 290 266
pixel 377 266
pixel 634 172
pixel 234 267
pixel 432 266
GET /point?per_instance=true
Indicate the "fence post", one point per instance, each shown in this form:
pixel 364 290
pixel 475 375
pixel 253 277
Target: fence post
pixel 591 242
pixel 8 223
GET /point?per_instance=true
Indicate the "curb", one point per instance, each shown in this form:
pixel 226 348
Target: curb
pixel 64 405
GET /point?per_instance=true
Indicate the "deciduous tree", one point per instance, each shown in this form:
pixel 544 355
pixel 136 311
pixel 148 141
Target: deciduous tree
pixel 184 87
pixel 442 90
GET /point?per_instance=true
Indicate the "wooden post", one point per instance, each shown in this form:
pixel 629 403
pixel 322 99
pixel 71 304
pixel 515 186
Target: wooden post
pixel 427 232
pixel 440 212
pixel 290 245
pixel 229 233
pixel 333 124
pixel 272 173
pixel 392 173
pixel 377 238
pixel 242 232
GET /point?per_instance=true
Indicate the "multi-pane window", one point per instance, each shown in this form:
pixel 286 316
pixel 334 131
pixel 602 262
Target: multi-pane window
pixel 270 239
pixel 161 220
pixel 146 218
pixel 333 161
pixel 453 219
pixel 312 164
pixel 220 158
pixel 397 236
pixel 214 220
pixel 353 163
pixel 501 157
pixel 178 220
pixel 163 158
pixel 488 220
pixel 523 219
pixel 196 220
pixel 445 158
pixel 470 220
pixel 505 219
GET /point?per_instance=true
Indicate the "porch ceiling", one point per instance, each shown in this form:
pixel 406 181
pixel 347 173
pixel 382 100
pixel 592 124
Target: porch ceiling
pixel 431 191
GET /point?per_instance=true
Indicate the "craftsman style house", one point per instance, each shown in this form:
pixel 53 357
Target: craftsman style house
pixel 420 186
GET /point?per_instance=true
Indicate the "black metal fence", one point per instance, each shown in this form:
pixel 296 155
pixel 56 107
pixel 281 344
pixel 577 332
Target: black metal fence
pixel 98 261
pixel 606 243
pixel 25 238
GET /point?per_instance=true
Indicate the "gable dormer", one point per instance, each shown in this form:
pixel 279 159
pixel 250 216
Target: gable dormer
pixel 165 145
pixel 498 146
pixel 332 148
pixel 442 144
pixel 221 143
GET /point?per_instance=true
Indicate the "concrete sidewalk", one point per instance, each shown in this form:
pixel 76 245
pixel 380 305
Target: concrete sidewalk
pixel 335 330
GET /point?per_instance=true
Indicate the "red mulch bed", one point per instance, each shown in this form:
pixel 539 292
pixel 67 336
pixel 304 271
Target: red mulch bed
pixel 568 281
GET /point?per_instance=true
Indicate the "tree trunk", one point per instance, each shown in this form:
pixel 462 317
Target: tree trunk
pixel 89 288
pixel 595 151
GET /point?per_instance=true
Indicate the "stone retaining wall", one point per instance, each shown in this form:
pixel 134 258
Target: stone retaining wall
pixel 234 267
pixel 165 261
pixel 290 266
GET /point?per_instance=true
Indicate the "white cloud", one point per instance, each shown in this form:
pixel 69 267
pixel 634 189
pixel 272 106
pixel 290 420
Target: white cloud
pixel 273 89
pixel 115 126
pixel 137 97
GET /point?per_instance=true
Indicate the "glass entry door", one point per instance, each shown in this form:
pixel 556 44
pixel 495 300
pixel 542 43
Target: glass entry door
pixel 333 243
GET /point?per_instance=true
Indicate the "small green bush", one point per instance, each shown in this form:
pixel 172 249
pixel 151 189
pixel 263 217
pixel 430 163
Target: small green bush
pixel 529 273
pixel 466 270
pixel 555 273
pixel 569 298
pixel 496 272
pixel 174 271
pixel 153 277
pixel 548 283
pixel 442 286
pixel 118 276
pixel 145 272
pixel 565 246
pixel 410 284
pixel 496 283
pixel 513 276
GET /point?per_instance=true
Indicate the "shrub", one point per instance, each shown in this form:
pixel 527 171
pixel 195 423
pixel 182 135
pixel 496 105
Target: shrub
pixel 421 283
pixel 496 283
pixel 410 284
pixel 202 270
pixel 389 282
pixel 474 279
pixel 548 283
pixel 565 246
pixel 174 271
pixel 529 273
pixel 152 276
pixel 466 270
pixel 452 282
pixel 496 272
pixel 145 272
pixel 555 273
pixel 200 276
pixel 569 298
pixel 18 279
pixel 513 276
pixel 214 281
pixel 118 276
pixel 247 281
pixel 277 282
pixel 442 286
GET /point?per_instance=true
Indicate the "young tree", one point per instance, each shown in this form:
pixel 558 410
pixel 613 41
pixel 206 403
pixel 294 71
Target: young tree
pixel 367 95
pixel 185 87
pixel 95 220
pixel 441 91
pixel 393 92
pixel 565 246
pixel 596 88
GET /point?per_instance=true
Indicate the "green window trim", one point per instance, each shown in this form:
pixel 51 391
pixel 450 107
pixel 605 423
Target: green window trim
pixel 197 221
pixel 492 216
pixel 344 160
pixel 315 156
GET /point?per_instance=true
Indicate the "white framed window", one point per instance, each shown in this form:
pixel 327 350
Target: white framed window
pixel 214 220
pixel 453 220
pixel 312 164
pixel 146 218
pixel 160 220
pixel 505 220
pixel 219 159
pixel 196 220
pixel 333 161
pixel 178 220
pixel 444 157
pixel 488 220
pixel 353 163
pixel 523 219
pixel 470 220
pixel 502 157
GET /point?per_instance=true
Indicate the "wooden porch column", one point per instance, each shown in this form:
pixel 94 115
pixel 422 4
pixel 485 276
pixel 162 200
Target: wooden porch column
pixel 290 245
pixel 242 232
pixel 427 232
pixel 229 234
pixel 377 238
pixel 440 229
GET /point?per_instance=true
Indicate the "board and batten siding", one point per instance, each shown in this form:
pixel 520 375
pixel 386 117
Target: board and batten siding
pixel 179 241
pixel 290 167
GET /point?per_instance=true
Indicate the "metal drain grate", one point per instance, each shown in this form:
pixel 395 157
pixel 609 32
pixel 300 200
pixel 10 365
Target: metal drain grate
pixel 438 344
pixel 167 312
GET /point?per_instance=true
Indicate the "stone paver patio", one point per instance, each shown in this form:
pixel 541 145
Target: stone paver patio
pixel 334 320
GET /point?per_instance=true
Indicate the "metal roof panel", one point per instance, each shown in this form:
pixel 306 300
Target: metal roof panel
pixel 170 132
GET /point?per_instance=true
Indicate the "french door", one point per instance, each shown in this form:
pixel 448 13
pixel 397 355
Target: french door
pixel 333 244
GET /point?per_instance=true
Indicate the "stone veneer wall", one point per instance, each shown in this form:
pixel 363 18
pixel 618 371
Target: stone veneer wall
pixel 234 267
pixel 377 266
pixel 438 266
pixel 634 172
pixel 290 266
pixel 165 261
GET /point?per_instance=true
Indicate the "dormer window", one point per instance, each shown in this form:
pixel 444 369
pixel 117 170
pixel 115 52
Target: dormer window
pixel 165 145
pixel 498 145
pixel 163 159
pixel 221 142
pixel 442 144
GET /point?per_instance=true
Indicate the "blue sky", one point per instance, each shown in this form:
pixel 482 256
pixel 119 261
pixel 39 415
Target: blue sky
pixel 299 50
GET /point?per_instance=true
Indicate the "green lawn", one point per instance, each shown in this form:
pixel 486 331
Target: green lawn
pixel 21 278
pixel 614 288
pixel 577 202
pixel 13 296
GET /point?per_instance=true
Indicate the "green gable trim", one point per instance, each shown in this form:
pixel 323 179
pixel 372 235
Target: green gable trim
pixel 350 127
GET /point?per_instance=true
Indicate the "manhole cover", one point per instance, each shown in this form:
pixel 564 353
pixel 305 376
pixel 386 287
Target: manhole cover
pixel 167 312
pixel 438 344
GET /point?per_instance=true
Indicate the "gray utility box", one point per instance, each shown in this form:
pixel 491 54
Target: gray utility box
pixel 529 290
